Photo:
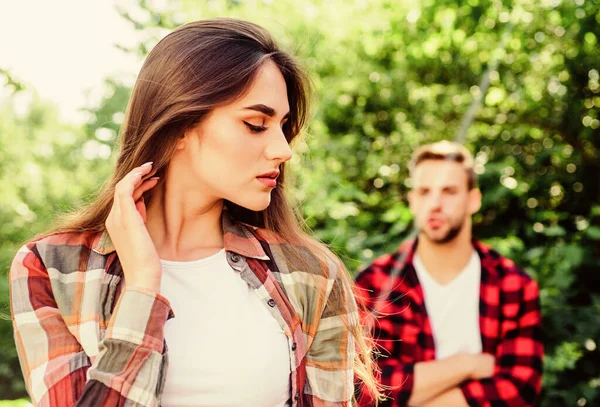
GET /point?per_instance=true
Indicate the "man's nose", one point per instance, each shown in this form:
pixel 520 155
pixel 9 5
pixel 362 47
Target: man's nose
pixel 435 200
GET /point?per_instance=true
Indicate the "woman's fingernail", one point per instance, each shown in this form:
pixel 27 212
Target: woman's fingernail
pixel 154 178
pixel 148 163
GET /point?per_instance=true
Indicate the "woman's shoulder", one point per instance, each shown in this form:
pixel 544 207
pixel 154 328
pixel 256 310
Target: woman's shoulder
pixel 303 254
pixel 60 250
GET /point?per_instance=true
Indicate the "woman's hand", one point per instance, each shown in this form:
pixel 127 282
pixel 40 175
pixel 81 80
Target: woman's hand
pixel 126 227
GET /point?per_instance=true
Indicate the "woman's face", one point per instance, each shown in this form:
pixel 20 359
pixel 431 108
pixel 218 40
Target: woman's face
pixel 237 151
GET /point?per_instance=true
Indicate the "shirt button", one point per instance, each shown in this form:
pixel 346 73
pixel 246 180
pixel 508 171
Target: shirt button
pixel 271 302
pixel 294 346
pixel 297 396
pixel 235 258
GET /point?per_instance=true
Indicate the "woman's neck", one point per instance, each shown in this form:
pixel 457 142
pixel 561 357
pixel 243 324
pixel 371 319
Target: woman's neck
pixel 183 224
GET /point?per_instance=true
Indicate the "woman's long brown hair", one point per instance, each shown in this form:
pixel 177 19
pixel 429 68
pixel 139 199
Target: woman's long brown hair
pixel 190 72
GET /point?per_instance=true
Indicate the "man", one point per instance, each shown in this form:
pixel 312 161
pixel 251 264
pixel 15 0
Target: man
pixel 456 323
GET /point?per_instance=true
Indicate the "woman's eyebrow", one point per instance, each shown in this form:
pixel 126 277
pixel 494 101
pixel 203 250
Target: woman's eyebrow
pixel 269 111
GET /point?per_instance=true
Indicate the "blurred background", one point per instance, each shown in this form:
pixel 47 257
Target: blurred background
pixel 390 75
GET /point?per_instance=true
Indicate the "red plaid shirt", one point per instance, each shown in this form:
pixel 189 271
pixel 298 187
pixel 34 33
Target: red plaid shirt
pixel 509 319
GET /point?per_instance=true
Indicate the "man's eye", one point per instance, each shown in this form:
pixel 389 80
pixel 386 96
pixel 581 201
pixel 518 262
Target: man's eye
pixel 253 128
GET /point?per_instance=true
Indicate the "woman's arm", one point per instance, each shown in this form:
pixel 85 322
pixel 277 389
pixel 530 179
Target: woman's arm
pixel 56 369
pixel 330 357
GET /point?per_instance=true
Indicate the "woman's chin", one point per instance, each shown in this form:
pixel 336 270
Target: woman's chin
pixel 255 205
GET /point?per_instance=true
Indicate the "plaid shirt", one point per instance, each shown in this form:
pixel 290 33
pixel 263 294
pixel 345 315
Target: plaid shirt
pixel 82 338
pixel 509 319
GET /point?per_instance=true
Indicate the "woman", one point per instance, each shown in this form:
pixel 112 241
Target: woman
pixel 193 224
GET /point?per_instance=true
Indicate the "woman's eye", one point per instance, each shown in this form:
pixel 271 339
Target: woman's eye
pixel 253 128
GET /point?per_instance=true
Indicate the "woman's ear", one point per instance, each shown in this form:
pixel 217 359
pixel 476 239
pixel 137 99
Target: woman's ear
pixel 181 143
pixel 185 137
pixel 189 135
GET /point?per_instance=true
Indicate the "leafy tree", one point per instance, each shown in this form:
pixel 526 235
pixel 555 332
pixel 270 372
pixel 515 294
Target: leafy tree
pixel 388 78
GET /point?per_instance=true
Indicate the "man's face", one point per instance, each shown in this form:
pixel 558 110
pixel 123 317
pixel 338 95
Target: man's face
pixel 441 201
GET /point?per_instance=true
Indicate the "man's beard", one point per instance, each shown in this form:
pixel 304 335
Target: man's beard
pixel 450 235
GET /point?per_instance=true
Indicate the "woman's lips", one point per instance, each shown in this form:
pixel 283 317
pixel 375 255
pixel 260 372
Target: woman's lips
pixel 269 182
pixel 269 178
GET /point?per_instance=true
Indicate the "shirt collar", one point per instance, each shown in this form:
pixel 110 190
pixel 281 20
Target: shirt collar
pixel 405 254
pixel 237 237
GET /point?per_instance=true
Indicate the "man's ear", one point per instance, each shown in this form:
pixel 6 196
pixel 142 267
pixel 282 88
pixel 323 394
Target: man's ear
pixel 474 201
pixel 411 198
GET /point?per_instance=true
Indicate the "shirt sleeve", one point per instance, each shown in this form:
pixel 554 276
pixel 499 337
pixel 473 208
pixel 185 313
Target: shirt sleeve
pixel 56 369
pixel 518 375
pixel 396 355
pixel 330 357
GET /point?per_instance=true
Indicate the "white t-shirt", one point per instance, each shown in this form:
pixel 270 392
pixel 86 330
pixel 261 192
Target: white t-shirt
pixel 453 309
pixel 225 348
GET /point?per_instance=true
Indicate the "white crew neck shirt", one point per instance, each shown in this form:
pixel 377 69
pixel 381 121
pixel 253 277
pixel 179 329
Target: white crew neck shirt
pixel 225 348
pixel 453 309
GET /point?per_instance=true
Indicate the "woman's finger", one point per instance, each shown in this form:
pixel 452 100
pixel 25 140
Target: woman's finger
pixel 149 175
pixel 140 205
pixel 125 188
pixel 140 181
pixel 145 186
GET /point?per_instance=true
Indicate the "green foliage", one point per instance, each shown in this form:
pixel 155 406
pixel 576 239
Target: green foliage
pixel 10 82
pixel 390 76
pixel 15 403
pixel 45 167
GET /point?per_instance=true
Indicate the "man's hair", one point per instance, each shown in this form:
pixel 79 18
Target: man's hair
pixel 449 151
